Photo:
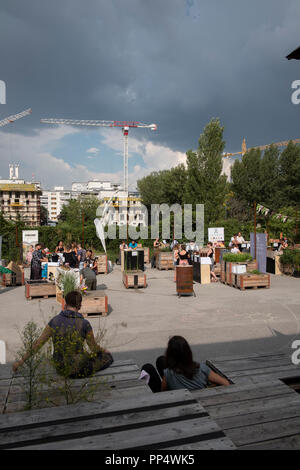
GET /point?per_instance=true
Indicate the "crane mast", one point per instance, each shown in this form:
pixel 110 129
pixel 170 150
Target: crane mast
pixel 125 125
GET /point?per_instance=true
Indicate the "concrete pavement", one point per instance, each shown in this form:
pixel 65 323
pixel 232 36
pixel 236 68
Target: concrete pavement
pixel 219 321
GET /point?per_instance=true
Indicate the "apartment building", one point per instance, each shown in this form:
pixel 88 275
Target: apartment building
pixel 20 200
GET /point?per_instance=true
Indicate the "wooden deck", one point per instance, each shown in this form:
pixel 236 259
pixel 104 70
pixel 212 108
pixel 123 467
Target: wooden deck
pixel 170 420
pixel 258 411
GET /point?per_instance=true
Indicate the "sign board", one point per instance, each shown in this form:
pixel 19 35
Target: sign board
pixel 29 238
pixel 216 234
pixel 261 250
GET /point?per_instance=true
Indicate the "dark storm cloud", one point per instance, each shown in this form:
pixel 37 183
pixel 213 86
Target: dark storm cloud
pixel 177 63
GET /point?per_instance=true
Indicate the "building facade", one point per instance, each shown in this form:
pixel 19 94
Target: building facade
pixel 20 200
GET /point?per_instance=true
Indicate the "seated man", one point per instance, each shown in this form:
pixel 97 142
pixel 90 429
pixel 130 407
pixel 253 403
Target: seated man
pixel 92 263
pixel 69 330
pixel 89 276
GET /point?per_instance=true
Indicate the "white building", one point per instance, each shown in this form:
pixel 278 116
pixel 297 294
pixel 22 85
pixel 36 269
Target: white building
pixel 104 190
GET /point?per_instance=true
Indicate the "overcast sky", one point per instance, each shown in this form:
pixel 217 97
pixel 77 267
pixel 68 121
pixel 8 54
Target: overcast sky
pixel 176 63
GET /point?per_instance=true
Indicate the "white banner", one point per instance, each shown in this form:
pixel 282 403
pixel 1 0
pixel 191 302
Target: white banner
pixel 216 234
pixel 29 238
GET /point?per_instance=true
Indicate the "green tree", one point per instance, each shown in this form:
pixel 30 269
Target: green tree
pixel 246 180
pixel 72 211
pixel 290 175
pixel 205 183
pixel 269 177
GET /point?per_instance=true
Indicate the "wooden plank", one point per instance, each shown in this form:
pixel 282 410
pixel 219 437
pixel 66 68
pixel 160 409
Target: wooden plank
pixel 152 437
pixel 87 409
pixel 252 364
pixel 257 433
pixel 269 414
pixel 242 393
pixel 286 443
pixel 223 443
pixel 279 372
pixel 253 405
pixel 101 423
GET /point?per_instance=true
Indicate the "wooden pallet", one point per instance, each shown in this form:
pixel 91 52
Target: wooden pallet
pixel 102 264
pixel 93 303
pixel 134 279
pixel 251 281
pixel 39 289
pixel 165 260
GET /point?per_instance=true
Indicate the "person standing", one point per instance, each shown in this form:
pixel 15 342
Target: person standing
pixel 81 256
pixel 89 276
pixel 36 263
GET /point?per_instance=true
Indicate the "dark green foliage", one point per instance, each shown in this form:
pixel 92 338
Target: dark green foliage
pixel 237 258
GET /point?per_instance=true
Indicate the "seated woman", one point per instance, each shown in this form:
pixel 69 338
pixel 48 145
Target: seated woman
pixel 68 331
pixel 177 369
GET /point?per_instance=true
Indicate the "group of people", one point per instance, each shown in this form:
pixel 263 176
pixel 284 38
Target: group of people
pixel 71 255
pixel 177 369
pixel 236 243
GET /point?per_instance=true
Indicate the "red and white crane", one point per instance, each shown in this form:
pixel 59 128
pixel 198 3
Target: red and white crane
pixel 125 125
pixel 15 117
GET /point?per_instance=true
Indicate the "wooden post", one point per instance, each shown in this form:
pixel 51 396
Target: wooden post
pixel 254 229
pixel 17 237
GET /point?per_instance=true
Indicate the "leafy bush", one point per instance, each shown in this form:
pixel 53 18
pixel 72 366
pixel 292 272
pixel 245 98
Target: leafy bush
pixel 291 257
pixel 237 258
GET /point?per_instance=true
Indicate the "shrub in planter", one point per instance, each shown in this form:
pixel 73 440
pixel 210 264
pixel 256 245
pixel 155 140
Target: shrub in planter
pixel 290 260
pixel 237 258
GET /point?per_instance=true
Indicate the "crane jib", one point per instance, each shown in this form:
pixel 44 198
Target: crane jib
pixel 125 124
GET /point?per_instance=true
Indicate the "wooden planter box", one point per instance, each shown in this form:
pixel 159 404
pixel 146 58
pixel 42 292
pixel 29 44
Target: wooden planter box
pixel 146 255
pixel 243 281
pixel 217 269
pixel 226 270
pixel 39 289
pixel 14 279
pixel 287 269
pixel 165 260
pixel 93 303
pixel 184 280
pixel 102 264
pixel 134 279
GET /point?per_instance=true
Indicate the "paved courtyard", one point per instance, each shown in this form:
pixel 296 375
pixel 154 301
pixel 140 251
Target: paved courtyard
pixel 219 321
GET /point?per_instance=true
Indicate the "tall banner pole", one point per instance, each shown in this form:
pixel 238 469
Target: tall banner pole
pixel 254 229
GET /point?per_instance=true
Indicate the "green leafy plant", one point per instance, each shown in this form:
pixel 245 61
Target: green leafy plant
pixel 237 258
pixel 31 374
pixel 290 257
pixel 255 271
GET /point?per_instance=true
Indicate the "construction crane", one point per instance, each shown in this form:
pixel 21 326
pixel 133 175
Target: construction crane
pixel 260 147
pixel 15 117
pixel 125 125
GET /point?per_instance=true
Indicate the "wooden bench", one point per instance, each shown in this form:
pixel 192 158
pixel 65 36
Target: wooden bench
pixel 118 379
pixel 169 420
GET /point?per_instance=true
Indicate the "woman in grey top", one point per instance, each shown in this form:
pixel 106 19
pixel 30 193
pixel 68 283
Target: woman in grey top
pixel 178 370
